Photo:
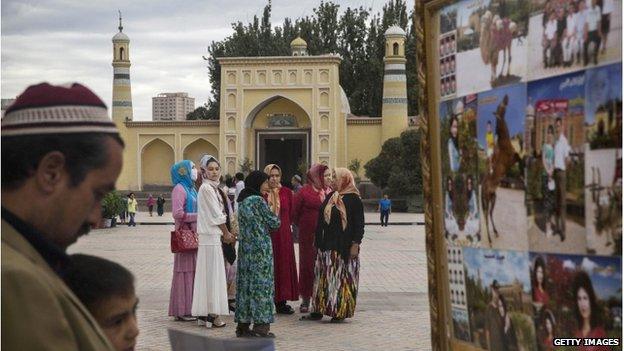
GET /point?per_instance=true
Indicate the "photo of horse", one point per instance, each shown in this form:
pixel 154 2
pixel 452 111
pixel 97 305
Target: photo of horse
pixel 570 35
pixel 500 130
pixel 555 142
pixel 491 44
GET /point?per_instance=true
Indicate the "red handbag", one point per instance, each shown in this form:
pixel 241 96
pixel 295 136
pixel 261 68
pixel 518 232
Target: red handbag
pixel 184 239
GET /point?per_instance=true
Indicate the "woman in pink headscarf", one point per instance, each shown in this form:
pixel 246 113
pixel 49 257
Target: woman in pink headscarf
pixel 307 204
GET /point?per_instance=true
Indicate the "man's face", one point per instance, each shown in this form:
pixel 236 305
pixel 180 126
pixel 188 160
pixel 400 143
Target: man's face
pixel 558 127
pixel 77 208
pixel 117 318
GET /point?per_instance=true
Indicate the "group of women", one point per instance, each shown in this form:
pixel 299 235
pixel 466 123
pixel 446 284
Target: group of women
pixel 259 278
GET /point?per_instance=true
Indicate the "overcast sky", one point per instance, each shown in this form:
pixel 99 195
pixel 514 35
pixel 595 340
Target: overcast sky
pixel 62 41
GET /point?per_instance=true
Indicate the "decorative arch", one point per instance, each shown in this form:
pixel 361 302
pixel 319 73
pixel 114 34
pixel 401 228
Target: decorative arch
pixel 395 49
pixel 121 53
pixel 157 157
pixel 252 114
pixel 197 148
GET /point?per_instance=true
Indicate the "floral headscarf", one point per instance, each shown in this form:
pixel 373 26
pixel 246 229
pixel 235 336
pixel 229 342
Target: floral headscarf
pixel 345 184
pixel 273 198
pixel 181 174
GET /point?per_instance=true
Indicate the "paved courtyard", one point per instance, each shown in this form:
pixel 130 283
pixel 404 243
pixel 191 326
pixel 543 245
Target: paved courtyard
pixel 392 310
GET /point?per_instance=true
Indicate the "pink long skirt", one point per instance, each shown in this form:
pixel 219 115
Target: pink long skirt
pixel 181 298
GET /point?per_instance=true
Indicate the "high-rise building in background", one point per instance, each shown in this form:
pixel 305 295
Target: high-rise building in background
pixel 172 106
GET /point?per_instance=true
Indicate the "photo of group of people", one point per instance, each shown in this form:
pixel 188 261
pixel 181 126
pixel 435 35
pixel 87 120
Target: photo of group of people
pixel 575 297
pixel 458 121
pixel 567 35
pixel 556 163
pixel 534 130
pixel 448 81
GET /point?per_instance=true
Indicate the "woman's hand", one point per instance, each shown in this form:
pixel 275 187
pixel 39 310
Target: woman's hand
pixel 355 250
pixel 228 238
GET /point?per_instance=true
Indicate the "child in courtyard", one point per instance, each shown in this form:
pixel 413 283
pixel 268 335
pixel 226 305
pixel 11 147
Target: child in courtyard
pixel 106 289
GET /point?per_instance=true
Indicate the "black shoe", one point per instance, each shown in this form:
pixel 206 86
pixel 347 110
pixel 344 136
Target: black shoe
pixel 336 320
pixel 284 309
pixel 312 317
pixel 232 305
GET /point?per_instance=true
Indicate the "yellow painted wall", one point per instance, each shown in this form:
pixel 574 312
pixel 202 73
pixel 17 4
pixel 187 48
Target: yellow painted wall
pixel 156 158
pixel 197 149
pixel 363 143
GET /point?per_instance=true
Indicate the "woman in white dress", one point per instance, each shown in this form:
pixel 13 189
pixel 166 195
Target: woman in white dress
pixel 210 297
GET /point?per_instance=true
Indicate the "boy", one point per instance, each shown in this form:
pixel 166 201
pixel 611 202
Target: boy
pixel 385 207
pixel 107 290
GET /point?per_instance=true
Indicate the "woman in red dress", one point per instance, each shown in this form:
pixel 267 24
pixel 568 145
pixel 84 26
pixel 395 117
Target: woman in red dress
pixel 307 204
pixel 280 201
pixel 587 312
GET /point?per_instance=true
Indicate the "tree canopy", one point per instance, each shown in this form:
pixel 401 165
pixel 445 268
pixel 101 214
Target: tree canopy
pixel 355 34
pixel 199 113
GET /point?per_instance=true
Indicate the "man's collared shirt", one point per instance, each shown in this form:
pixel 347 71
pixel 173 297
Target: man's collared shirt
pixel 562 152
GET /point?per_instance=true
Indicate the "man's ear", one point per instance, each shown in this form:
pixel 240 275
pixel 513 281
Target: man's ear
pixel 50 171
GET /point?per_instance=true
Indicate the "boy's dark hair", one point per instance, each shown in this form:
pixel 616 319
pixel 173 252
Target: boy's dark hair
pixel 93 279
pixel 83 152
pixel 240 176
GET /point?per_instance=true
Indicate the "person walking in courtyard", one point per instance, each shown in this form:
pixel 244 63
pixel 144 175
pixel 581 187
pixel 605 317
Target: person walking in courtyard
pixel 210 290
pixel 54 175
pixel 239 183
pixel 132 208
pixel 385 208
pixel 296 183
pixel 338 236
pixel 255 285
pixel 184 210
pixel 562 158
pixel 307 203
pixel 150 204
pixel 280 200
pixel 160 205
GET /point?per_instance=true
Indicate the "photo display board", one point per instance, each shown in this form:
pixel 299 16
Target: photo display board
pixel 527 123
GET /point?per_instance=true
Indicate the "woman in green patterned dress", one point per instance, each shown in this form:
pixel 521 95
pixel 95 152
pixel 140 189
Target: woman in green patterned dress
pixel 254 281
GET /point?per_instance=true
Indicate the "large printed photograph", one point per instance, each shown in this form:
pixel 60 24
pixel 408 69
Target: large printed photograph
pixel 569 35
pixel 500 130
pixel 458 123
pixel 575 296
pixel 499 299
pixel 555 141
pixel 603 161
pixel 491 44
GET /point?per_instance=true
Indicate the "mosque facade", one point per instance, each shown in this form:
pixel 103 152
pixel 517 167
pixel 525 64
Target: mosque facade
pixel 289 110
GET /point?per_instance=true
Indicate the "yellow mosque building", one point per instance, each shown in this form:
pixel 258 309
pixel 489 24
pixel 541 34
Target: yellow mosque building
pixel 288 110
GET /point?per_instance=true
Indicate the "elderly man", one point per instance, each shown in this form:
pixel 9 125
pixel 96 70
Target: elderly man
pixel 61 154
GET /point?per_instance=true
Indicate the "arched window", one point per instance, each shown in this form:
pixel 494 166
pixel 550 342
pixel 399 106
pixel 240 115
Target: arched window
pixel 395 49
pixel 121 54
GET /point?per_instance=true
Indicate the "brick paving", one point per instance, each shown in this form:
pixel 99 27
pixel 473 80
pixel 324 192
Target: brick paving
pixel 392 311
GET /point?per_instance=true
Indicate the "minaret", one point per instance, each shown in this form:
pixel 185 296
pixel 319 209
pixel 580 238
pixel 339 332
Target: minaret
pixel 299 47
pixel 394 108
pixel 122 95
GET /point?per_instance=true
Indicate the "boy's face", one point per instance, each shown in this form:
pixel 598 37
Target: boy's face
pixel 117 318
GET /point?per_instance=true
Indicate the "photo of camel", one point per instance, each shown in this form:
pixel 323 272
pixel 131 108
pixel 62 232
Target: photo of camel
pixel 603 163
pixel 491 44
pixel 555 144
pixel 500 130
pixel 570 35
pixel 458 133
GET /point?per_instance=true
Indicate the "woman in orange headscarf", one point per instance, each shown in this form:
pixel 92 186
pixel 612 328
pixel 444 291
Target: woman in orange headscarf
pixel 338 236
pixel 280 201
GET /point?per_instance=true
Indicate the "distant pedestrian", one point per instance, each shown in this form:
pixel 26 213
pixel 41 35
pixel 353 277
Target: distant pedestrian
pixel 184 211
pixel 107 291
pixel 338 236
pixel 239 182
pixel 160 205
pixel 255 287
pixel 150 204
pixel 385 208
pixel 132 208
pixel 296 183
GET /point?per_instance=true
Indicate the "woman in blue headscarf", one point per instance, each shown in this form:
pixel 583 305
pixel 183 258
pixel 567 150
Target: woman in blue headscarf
pixel 184 208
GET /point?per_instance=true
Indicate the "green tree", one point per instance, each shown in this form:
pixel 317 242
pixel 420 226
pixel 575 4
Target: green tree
pixel 397 167
pixel 199 113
